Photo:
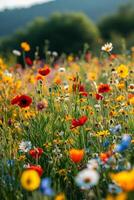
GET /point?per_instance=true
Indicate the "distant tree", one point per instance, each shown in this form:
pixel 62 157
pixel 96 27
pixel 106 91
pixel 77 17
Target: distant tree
pixel 68 32
pixel 33 33
pixel 65 33
pixel 121 23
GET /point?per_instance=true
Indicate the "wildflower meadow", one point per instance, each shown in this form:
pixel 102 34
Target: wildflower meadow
pixel 67 125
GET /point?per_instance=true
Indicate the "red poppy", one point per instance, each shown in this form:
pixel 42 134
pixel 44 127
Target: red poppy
pixel 28 61
pixel 44 71
pixel 73 78
pixel 36 153
pixel 113 56
pixel 15 100
pixel 98 96
pixel 85 94
pixel 103 88
pixel 88 56
pixel 79 122
pixel 80 88
pixel 23 101
pixel 37 168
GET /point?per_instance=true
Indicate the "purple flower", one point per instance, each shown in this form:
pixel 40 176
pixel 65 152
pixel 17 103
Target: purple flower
pixel 40 106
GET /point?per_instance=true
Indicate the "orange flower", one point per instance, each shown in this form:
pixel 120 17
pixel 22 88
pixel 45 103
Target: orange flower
pixel 76 155
pixel 25 46
pixel 130 95
pixel 105 156
pixel 39 77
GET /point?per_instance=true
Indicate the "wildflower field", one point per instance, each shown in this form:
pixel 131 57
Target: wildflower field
pixel 66 127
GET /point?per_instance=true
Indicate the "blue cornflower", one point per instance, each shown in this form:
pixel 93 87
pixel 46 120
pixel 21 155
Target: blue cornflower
pixel 115 129
pixel 10 163
pixel 125 142
pixel 46 187
pixel 126 139
pixel 106 143
pixel 114 189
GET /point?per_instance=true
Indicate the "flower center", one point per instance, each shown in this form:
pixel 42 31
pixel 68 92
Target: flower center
pixel 24 101
pixel 87 180
pixel 28 181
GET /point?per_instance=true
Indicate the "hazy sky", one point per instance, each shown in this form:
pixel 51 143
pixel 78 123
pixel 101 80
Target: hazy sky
pixel 18 3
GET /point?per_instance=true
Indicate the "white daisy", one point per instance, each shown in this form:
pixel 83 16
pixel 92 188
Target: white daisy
pixel 7 73
pixel 25 146
pixel 87 178
pixel 92 164
pixel 16 52
pixel 107 47
pixel 54 53
pixel 61 69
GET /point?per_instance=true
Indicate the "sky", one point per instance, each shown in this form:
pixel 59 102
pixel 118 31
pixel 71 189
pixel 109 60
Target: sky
pixel 19 3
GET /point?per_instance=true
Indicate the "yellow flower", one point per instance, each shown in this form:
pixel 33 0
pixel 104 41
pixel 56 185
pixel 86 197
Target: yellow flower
pixel 23 157
pixel 68 118
pixel 30 180
pixel 120 98
pixel 48 144
pixel 131 101
pixel 1 61
pixel 132 141
pixel 27 114
pixel 112 113
pixel 103 133
pixel 70 141
pixel 70 58
pixel 60 196
pixel 120 196
pixel 57 79
pixel 75 67
pixel 25 46
pixel 92 76
pixel 124 179
pixel 121 85
pixel 122 71
pixel 62 172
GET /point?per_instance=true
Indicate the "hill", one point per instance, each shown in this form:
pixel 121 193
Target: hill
pixel 11 20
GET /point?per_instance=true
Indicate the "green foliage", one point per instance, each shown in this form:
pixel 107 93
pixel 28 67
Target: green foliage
pixel 65 32
pixel 68 32
pixel 121 23
pixel 11 20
